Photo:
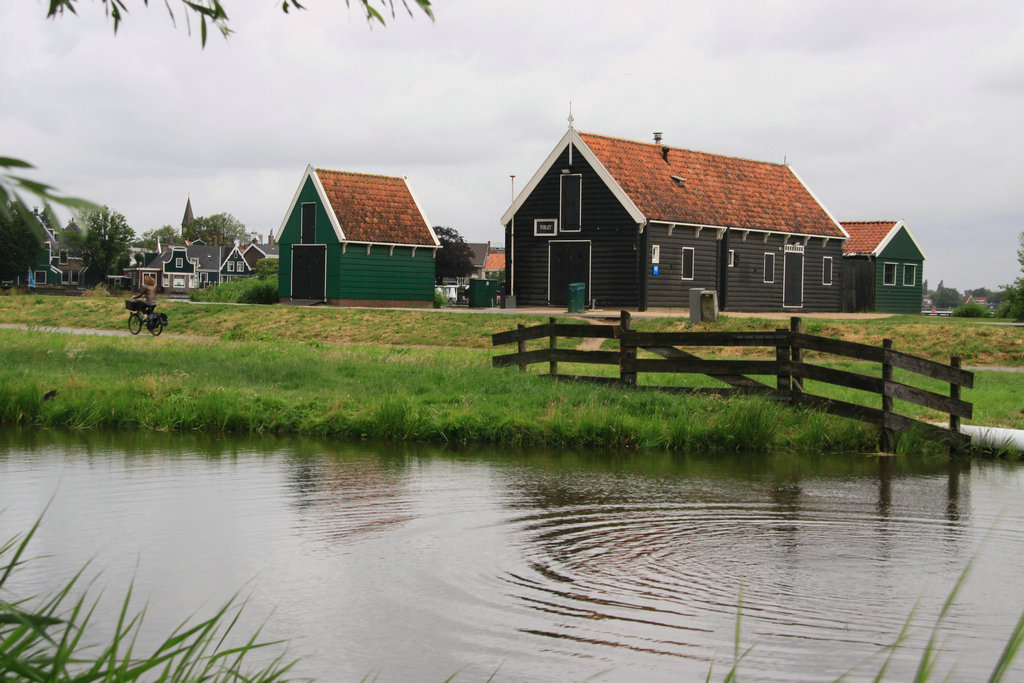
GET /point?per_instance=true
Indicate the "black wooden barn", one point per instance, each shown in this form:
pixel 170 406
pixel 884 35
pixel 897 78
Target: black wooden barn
pixel 641 224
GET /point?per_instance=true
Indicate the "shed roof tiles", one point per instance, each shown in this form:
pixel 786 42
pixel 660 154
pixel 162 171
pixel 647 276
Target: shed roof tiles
pixel 375 208
pixel 865 236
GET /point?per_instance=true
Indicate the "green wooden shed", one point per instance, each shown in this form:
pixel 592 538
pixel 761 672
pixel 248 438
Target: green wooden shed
pixel 354 239
pixel 883 268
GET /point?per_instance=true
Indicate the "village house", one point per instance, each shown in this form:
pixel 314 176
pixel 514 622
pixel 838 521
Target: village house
pixel 883 267
pixel 354 239
pixel 640 224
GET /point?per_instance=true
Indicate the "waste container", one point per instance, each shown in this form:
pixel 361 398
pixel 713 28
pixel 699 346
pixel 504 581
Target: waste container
pixel 483 293
pixel 577 296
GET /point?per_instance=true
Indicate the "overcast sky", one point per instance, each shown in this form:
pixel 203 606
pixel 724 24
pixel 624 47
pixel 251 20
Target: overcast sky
pixel 887 110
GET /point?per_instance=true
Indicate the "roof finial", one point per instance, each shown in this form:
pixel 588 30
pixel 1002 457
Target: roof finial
pixel 570 114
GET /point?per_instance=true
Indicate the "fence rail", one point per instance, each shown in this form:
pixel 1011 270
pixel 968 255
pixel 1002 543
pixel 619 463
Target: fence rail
pixel 789 368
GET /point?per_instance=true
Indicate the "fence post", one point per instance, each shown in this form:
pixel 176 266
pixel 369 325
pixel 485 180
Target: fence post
pixel 552 344
pixel 627 354
pixel 781 361
pixel 888 440
pixel 521 347
pixel 796 326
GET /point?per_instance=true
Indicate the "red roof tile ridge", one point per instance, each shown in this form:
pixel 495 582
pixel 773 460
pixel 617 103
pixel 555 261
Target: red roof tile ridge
pixel 358 173
pixel 890 223
pixel 659 145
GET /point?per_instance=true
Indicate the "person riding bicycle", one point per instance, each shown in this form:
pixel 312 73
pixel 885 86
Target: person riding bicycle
pixel 149 292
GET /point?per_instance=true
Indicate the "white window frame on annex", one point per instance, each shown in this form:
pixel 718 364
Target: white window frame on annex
pixel 826 269
pixel 178 262
pixel 769 273
pixel 885 273
pixel 537 222
pixel 912 269
pixel 693 263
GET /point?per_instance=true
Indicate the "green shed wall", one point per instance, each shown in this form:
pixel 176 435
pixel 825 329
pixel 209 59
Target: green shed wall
pixel 382 274
pixel 899 298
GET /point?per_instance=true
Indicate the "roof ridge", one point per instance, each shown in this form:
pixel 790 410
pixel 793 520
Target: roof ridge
pixel 659 145
pixel 887 222
pixel 357 173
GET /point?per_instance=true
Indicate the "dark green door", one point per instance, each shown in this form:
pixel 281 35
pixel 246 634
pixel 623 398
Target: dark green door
pixel 793 273
pixel 309 271
pixel 567 262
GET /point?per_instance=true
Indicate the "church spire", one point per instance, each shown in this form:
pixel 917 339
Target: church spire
pixel 188 217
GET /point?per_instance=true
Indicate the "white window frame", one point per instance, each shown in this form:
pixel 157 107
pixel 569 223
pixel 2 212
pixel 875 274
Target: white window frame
pixel 40 277
pixel 693 263
pixel 64 280
pixel 655 254
pixel 885 269
pixel 912 269
pixel 73 277
pixel 769 274
pixel 536 227
pixel 231 266
pixel 732 258
pixel 177 262
pixel 826 260
pixel 167 280
pixel 63 257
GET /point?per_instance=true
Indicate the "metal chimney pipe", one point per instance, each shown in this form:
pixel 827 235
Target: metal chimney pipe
pixel 657 138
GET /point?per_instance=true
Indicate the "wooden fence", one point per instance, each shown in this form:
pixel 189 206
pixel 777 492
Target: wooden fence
pixel 788 367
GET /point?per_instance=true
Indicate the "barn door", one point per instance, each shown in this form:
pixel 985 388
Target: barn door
pixel 793 276
pixel 309 272
pixel 567 262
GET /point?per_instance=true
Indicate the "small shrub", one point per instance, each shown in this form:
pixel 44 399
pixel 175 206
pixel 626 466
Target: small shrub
pixel 970 310
pixel 439 300
pixel 100 291
pixel 239 291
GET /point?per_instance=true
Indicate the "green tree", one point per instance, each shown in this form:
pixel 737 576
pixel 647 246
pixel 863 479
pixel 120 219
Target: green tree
pixel 267 268
pixel 21 244
pixel 220 229
pixel 946 297
pixel 164 235
pixel 1013 294
pixel 454 259
pixel 103 242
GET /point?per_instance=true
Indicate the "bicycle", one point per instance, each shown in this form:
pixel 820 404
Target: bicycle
pixel 154 322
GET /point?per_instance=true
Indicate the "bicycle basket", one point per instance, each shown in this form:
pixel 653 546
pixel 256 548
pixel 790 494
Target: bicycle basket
pixel 134 304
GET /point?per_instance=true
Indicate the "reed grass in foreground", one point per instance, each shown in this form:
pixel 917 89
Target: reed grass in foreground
pixel 426 395
pixel 51 639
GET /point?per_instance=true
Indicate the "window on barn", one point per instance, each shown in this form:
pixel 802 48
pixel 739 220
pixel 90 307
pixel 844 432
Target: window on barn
pixel 889 274
pixel 572 202
pixel 177 263
pixel 769 267
pixel 308 223
pixel 826 270
pixel 909 274
pixel 63 257
pixel 40 277
pixel 74 277
pixel 231 266
pixel 545 227
pixel 732 258
pixel 687 263
pixel 64 277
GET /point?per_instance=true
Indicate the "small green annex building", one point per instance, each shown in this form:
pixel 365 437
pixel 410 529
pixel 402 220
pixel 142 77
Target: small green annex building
pixel 353 239
pixel 883 268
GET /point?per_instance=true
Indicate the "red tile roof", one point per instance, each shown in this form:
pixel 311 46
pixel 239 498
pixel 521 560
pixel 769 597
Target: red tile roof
pixel 375 208
pixel 865 236
pixel 682 186
pixel 495 261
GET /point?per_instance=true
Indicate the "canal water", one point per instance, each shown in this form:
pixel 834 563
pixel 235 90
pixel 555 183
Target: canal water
pixel 410 563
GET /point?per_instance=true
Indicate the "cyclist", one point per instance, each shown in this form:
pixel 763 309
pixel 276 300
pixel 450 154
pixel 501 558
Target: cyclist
pixel 149 292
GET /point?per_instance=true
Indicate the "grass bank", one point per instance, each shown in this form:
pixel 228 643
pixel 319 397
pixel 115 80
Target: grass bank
pixel 354 392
